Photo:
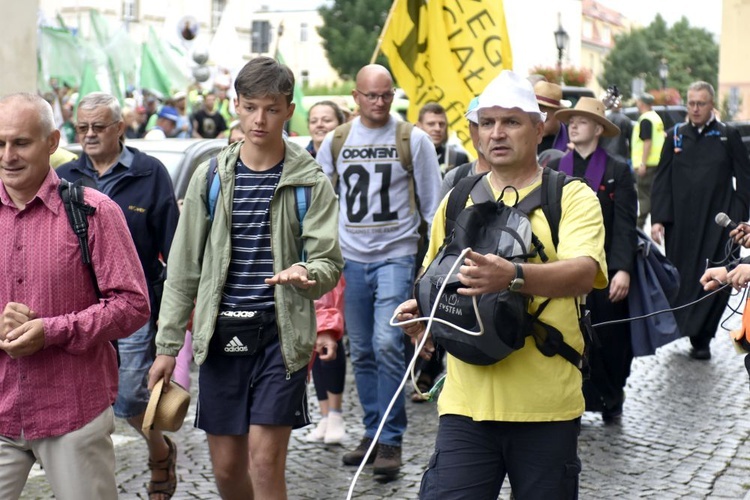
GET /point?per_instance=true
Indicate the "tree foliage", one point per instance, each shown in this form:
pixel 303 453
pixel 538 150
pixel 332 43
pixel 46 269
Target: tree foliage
pixel 350 33
pixel 691 54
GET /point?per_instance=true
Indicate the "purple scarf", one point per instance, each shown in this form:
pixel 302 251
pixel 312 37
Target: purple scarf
pixel 594 170
pixel 561 139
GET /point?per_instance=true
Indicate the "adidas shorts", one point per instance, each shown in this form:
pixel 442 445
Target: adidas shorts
pixel 235 392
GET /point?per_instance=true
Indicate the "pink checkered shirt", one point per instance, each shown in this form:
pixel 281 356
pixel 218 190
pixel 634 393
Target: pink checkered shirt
pixel 73 379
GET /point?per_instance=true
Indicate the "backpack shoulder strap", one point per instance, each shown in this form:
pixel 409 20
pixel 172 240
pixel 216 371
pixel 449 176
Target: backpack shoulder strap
pixel 403 148
pixel 551 201
pixel 302 196
pixel 463 171
pixel 403 145
pixel 457 199
pixel 340 134
pixel 213 186
pixel 78 212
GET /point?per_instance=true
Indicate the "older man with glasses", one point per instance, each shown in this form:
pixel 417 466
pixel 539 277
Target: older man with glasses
pixel 382 204
pixel 703 170
pixel 141 186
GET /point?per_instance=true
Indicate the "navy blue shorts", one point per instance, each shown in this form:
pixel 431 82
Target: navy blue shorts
pixel 235 392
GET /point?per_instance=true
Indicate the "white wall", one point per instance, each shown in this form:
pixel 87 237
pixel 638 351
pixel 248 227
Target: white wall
pixel 18 50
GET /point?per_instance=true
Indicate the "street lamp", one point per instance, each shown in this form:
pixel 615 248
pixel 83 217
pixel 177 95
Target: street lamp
pixel 561 41
pixel 663 72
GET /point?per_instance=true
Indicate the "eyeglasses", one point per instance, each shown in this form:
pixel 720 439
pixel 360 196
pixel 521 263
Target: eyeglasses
pixel 373 98
pixel 697 104
pixel 98 128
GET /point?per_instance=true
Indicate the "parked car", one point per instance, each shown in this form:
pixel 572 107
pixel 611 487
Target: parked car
pixel 744 128
pixel 573 94
pixel 668 114
pixel 180 156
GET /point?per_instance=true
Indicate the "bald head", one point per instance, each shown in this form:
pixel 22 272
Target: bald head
pixel 373 72
pixel 27 140
pixel 40 106
pixel 374 95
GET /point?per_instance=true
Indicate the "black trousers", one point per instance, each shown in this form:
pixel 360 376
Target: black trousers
pixel 610 360
pixel 471 460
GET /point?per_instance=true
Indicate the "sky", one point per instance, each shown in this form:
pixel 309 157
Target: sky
pixel 703 14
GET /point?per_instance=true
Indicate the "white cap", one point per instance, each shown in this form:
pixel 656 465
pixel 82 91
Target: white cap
pixel 507 90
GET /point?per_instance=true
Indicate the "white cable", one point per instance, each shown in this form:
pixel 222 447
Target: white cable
pixel 410 368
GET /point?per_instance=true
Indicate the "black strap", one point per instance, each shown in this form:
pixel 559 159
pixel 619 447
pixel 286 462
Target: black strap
pixel 463 171
pixel 78 213
pixel 457 199
pixel 551 201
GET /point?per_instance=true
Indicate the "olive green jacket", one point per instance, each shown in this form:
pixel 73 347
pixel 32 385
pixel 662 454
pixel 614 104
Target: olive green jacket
pixel 202 249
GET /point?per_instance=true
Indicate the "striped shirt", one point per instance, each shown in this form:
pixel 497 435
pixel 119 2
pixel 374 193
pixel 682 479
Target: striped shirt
pixel 252 261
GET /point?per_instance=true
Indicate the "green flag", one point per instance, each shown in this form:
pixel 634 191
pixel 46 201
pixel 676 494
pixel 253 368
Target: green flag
pixel 103 42
pixel 152 76
pixel 60 55
pixel 298 122
pixel 89 83
pixel 171 61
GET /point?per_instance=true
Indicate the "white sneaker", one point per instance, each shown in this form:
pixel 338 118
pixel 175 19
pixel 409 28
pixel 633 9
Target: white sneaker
pixel 335 432
pixel 319 433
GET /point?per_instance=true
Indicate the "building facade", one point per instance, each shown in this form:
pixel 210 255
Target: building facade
pixel 734 72
pixel 600 25
pixel 249 30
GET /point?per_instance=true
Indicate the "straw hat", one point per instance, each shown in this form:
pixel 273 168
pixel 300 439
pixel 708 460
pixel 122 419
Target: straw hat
pixel 591 108
pixel 548 94
pixel 166 410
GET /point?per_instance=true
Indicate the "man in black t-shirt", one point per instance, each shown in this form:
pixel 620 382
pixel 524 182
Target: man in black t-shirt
pixel 207 121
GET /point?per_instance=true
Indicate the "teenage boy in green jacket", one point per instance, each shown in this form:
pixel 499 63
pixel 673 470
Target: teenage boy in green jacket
pixel 254 325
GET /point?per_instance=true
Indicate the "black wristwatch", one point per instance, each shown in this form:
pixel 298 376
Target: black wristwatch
pixel 517 283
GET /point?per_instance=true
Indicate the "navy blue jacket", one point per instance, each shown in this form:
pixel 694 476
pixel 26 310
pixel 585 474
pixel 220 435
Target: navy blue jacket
pixel 146 197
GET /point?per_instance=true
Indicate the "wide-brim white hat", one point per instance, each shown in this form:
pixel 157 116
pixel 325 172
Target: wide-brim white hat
pixel 508 90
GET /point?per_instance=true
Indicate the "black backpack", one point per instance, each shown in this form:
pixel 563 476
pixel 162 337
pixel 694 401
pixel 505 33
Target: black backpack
pixel 78 215
pixel 490 226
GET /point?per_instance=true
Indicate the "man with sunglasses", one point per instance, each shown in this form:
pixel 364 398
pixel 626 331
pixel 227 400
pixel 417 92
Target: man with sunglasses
pixel 141 186
pixel 381 207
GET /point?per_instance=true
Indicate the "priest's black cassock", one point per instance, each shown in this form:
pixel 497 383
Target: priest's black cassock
pixel 694 182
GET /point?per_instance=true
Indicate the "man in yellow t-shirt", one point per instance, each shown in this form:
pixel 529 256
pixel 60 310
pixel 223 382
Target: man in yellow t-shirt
pixel 521 416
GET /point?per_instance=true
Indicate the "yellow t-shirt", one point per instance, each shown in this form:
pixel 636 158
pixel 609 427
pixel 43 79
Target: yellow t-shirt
pixel 527 386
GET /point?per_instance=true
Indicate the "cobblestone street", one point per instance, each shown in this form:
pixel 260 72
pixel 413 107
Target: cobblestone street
pixel 684 434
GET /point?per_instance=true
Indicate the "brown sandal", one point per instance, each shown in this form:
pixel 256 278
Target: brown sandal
pixel 169 464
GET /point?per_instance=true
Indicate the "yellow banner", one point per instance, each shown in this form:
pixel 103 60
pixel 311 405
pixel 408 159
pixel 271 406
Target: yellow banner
pixel 405 42
pixel 447 51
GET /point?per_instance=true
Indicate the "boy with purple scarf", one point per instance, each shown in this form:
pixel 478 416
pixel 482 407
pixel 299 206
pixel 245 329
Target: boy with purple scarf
pixel 614 184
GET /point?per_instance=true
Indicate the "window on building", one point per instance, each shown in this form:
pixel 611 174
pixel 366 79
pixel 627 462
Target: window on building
pixel 606 35
pixel 303 32
pixel 217 9
pixel 130 10
pixel 260 37
pixel 588 29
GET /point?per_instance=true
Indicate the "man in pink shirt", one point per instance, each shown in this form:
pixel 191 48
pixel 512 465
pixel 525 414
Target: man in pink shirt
pixel 58 369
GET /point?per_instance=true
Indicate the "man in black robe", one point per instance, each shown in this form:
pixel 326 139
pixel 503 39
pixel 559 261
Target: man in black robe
pixel 694 181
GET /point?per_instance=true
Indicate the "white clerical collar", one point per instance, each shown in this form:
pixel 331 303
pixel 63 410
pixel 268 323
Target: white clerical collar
pixel 700 129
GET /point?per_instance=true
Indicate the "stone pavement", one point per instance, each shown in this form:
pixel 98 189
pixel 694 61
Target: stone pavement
pixel 685 433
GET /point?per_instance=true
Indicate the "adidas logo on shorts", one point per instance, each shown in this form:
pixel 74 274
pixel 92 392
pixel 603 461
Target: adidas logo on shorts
pixel 235 345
